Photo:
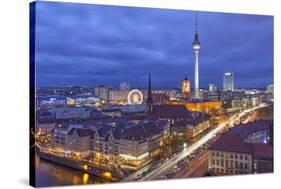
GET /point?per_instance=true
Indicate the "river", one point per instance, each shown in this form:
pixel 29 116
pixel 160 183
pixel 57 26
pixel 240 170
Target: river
pixel 52 174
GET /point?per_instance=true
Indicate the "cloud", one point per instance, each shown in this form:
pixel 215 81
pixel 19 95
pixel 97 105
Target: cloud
pixel 80 44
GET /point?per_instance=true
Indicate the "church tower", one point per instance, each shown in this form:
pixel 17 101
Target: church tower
pixel 185 88
pixel 149 100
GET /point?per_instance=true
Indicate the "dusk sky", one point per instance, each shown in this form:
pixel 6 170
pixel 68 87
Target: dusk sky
pixel 89 45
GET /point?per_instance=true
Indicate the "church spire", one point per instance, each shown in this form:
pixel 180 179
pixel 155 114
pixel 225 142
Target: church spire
pixel 149 100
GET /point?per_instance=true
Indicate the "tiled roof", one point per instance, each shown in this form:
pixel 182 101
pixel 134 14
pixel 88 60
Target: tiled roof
pixel 230 143
pixel 81 132
pixel 170 111
pixel 142 131
pixel 245 130
pixel 179 111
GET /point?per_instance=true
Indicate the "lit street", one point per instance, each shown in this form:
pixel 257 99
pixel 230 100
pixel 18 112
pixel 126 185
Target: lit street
pixel 166 166
pixel 197 168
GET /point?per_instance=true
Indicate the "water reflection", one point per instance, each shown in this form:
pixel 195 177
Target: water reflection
pixel 85 178
pixel 51 174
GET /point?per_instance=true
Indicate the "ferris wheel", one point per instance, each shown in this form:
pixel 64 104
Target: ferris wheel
pixel 135 97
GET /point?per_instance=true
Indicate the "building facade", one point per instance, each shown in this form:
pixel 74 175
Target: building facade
pixel 85 100
pixel 228 81
pixel 51 101
pixel 130 146
pixel 270 89
pixel 200 106
pixel 102 92
pixel 212 88
pixel 125 86
pixel 244 149
pixel 185 88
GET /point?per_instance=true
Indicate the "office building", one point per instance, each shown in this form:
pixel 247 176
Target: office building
pixel 125 86
pixel 270 89
pixel 228 81
pixel 212 88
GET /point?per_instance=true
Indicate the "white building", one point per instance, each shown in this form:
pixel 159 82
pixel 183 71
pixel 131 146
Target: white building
pixel 71 112
pixel 102 92
pixel 228 81
pixel 73 140
pixel 118 96
pixel 270 89
pixel 88 100
pixel 125 86
pixel 212 88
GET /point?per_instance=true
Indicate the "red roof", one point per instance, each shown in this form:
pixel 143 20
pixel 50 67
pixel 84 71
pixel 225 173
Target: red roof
pixel 230 143
pixel 169 111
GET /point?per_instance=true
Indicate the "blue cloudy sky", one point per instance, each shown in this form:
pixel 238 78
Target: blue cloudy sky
pixel 88 45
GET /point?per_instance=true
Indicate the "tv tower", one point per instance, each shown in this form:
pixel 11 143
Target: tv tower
pixel 196 47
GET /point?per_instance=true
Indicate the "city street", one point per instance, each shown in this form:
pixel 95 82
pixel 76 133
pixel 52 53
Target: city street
pixel 168 165
pixel 198 167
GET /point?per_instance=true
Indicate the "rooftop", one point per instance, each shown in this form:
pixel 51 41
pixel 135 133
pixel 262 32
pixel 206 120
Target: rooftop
pixel 170 111
pixel 244 130
pixel 48 97
pixel 179 111
pixel 81 132
pixel 142 131
pixel 233 140
pixel 230 143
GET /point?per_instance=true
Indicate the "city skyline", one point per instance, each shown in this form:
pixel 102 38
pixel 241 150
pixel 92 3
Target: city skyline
pixel 123 94
pixel 105 45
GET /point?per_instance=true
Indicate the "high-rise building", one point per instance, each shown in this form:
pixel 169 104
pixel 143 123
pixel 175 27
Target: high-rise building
pixel 116 96
pixel 185 88
pixel 228 81
pixel 196 47
pixel 270 89
pixel 102 92
pixel 125 86
pixel 212 88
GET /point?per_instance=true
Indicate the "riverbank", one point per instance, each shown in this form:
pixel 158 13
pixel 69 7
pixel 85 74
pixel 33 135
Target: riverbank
pixel 81 166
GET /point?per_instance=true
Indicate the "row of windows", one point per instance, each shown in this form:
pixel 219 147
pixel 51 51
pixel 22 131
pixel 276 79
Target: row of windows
pixel 230 164
pixel 231 156
pixel 229 171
